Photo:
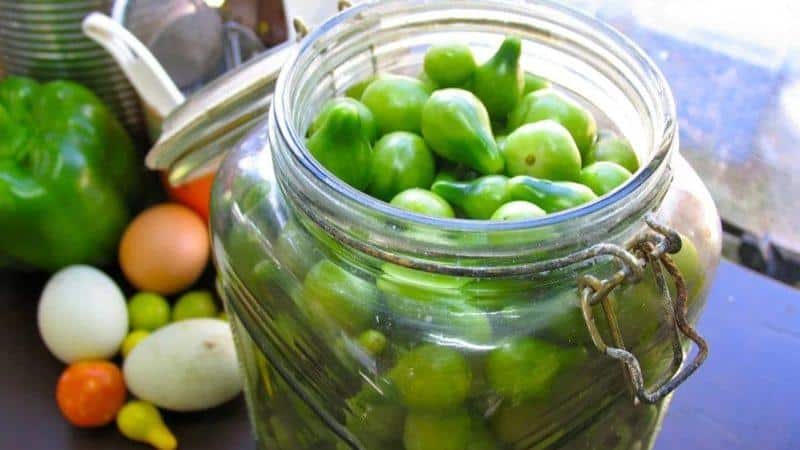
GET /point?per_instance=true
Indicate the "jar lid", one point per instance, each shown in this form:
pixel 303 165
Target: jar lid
pixel 196 135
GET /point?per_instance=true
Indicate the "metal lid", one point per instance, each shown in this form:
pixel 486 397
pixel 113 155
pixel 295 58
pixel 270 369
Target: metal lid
pixel 196 135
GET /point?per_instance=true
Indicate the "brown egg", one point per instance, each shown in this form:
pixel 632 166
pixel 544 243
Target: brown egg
pixel 165 249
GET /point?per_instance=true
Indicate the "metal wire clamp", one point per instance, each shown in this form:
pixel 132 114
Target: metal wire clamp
pixel 653 249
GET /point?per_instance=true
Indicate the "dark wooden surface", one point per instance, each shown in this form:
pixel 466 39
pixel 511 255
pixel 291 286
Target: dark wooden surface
pixel 745 397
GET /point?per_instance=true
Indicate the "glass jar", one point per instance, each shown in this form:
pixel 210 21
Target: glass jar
pixel 359 325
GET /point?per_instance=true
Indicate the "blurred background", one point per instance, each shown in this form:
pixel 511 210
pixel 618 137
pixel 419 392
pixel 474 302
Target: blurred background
pixel 734 68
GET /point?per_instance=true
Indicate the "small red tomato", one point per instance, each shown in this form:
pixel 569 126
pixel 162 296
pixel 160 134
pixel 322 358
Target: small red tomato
pixel 90 393
pixel 195 194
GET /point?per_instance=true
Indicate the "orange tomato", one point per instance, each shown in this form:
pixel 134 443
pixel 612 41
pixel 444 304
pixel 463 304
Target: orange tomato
pixel 195 194
pixel 90 393
pixel 164 249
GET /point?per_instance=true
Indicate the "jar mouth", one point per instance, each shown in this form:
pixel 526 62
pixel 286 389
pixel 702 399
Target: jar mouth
pixel 625 66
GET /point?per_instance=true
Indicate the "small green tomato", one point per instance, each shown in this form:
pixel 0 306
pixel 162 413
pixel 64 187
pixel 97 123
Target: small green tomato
pixel 195 304
pixel 148 311
pixel 603 177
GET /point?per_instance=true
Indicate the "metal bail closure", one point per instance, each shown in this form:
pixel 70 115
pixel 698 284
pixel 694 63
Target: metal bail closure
pixel 652 249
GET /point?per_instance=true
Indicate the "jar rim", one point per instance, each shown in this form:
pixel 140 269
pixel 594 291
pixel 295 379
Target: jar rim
pixel 665 137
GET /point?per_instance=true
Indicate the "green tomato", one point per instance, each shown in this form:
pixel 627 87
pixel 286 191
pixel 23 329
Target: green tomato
pixel 499 82
pixel 132 340
pixel 548 104
pixel 523 368
pixel 377 418
pixel 148 311
pixel 418 279
pixel 518 210
pixel 396 102
pixel 551 196
pixel 195 304
pixel 418 285
pixel 603 177
pixel 341 147
pixel 368 126
pixel 429 431
pixel 534 83
pixel 450 317
pixel 357 90
pixel 456 126
pixel 334 294
pixel 400 161
pixel 612 148
pixel 432 378
pixel 478 198
pixel 688 261
pixel 428 303
pixel 423 202
pixel 543 150
pixel 372 341
pixel 449 65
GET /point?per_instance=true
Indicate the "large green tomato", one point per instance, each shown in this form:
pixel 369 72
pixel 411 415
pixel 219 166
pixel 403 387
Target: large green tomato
pixel 603 177
pixel 341 146
pixel 609 147
pixel 423 303
pixel 432 378
pixel 400 161
pixel 449 65
pixel 543 149
pixel 499 82
pixel 396 102
pixel 547 104
pixel 456 126
pixel 332 293
pixel 523 368
pixel 431 431
pixel 368 127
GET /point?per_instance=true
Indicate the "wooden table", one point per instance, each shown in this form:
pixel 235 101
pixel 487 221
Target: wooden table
pixel 745 397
